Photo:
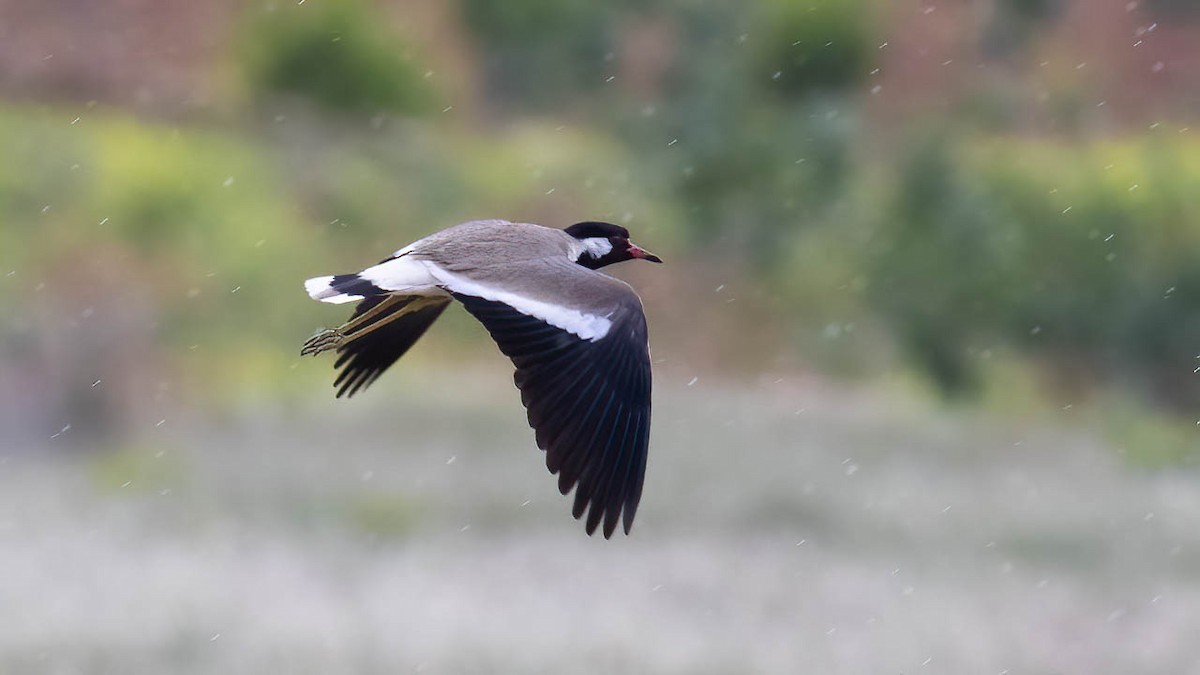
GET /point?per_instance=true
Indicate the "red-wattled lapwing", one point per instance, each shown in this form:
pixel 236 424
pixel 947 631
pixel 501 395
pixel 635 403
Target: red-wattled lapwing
pixel 576 336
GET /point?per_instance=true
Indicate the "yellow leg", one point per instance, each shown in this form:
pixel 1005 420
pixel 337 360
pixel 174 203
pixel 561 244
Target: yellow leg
pixel 333 338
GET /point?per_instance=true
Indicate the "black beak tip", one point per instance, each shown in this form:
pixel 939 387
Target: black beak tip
pixel 652 258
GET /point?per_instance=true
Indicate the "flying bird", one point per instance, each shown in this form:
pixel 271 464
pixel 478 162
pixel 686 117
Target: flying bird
pixel 577 337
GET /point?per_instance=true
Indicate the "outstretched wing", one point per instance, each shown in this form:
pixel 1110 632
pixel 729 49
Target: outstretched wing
pixel 375 345
pixel 587 397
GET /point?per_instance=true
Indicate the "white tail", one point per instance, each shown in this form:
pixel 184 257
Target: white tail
pixel 322 288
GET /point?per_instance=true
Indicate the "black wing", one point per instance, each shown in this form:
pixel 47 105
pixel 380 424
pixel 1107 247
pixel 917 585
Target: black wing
pixel 376 345
pixel 588 402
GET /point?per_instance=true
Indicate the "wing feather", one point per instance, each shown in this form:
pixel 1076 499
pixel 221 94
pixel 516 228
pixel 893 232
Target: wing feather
pixel 588 400
pixel 374 347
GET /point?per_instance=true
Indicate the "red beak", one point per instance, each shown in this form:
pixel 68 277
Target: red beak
pixel 636 251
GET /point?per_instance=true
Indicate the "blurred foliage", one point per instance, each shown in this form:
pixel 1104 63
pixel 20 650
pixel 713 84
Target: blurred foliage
pixel 943 244
pixel 1084 253
pixel 218 230
pixel 812 46
pixel 1013 24
pixel 338 54
pixel 757 133
pixel 517 36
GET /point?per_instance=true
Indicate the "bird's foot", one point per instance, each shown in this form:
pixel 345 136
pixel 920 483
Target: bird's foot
pixel 323 341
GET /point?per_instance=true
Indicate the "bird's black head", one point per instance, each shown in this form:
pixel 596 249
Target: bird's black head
pixel 605 244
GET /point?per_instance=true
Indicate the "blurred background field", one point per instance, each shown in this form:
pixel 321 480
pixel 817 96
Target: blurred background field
pixel 926 345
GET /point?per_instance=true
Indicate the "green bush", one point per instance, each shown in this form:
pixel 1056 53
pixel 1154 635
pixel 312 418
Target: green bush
pixel 1081 253
pixel 542 53
pixel 811 47
pixel 336 53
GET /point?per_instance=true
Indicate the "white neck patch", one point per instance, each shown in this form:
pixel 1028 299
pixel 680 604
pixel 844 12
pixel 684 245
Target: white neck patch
pixel 596 247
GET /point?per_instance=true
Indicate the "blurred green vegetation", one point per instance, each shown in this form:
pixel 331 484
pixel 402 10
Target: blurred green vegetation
pixel 220 229
pixel 943 245
pixel 517 36
pixel 1083 254
pixel 812 47
pixel 338 55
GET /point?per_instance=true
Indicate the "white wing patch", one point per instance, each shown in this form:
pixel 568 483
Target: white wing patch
pixel 586 326
pixel 404 274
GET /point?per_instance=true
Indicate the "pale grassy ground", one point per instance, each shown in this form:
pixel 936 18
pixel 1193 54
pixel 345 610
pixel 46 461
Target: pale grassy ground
pixel 785 529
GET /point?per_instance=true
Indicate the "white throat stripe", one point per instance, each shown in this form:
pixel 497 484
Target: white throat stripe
pixel 597 247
